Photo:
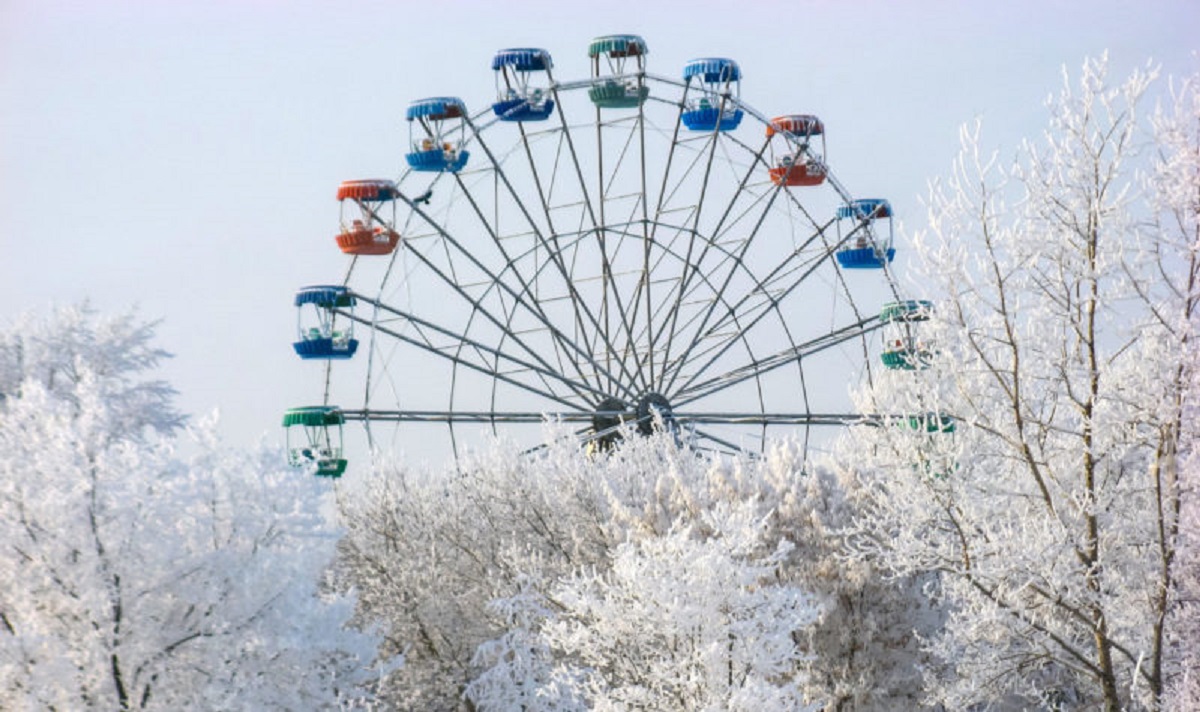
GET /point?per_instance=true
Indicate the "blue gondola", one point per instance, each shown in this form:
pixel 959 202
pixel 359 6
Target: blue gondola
pixel 436 131
pixel 319 339
pixel 516 98
pixel 719 87
pixel 866 247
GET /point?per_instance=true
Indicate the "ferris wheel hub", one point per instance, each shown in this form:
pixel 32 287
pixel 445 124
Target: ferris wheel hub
pixel 610 413
pixel 653 408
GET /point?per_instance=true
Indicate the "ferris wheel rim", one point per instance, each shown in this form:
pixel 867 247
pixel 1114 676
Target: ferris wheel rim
pixel 691 390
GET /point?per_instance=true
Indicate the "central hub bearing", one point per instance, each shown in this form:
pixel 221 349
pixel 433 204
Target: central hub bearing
pixel 609 414
pixel 652 409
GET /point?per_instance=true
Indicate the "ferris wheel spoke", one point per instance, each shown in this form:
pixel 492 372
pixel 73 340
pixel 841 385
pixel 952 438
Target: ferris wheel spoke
pixel 733 377
pixel 704 435
pixel 742 189
pixel 693 267
pixel 681 183
pixel 736 263
pixel 602 331
pixel 578 304
pixel 496 282
pixel 620 233
pixel 734 316
pixel 666 251
pixel 458 360
pixel 774 418
pixel 609 290
pixel 476 304
pixel 696 213
pixel 564 127
pixel 642 284
pixel 644 293
pixel 495 363
pixel 765 295
pixel 544 266
pixel 551 245
pixel 639 333
pixel 774 286
pixel 560 339
pixel 581 389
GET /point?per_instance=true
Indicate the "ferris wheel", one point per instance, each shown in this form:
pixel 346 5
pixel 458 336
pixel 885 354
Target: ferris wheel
pixel 621 253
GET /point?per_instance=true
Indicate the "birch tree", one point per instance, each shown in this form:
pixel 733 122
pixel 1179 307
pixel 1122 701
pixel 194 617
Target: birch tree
pixel 1033 466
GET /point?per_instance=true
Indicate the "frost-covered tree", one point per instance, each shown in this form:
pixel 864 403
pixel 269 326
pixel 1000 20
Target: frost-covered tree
pixel 115 352
pixel 468 570
pixel 429 551
pixel 520 669
pixel 697 619
pixel 1033 467
pixel 866 645
pixel 133 578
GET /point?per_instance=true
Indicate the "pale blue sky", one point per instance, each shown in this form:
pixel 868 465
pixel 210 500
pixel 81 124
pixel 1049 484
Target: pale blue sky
pixel 184 156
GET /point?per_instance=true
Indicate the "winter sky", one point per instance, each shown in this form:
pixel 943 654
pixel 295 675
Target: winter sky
pixel 183 156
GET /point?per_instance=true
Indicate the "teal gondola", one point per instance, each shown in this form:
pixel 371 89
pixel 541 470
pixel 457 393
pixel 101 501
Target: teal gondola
pixel 314 435
pixel 618 71
pixel 903 349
